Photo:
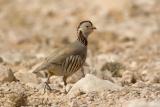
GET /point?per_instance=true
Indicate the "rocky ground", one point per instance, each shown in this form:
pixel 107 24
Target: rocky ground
pixel 123 63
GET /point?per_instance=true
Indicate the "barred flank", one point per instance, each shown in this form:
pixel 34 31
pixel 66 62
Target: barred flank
pixel 72 64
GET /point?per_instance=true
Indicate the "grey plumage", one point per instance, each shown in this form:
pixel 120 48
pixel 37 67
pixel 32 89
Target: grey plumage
pixel 66 61
pixel 60 62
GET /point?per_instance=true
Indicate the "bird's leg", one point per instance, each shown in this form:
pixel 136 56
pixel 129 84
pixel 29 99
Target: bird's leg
pixel 82 70
pixel 47 85
pixel 65 83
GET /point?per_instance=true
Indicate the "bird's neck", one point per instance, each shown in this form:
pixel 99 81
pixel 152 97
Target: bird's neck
pixel 82 38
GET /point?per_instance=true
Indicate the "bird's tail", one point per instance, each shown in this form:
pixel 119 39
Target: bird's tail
pixel 35 71
pixel 37 68
pixel 39 72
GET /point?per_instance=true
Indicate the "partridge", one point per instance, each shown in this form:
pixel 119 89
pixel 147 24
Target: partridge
pixel 66 61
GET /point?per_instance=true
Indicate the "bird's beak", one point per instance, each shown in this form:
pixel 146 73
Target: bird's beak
pixel 93 27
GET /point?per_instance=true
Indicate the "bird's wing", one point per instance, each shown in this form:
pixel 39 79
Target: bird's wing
pixel 56 58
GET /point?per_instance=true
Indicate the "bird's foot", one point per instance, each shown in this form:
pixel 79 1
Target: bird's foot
pixel 47 87
pixel 65 91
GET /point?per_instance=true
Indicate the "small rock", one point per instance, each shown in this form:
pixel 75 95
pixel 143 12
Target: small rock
pixel 115 68
pixel 13 57
pixel 35 86
pixel 74 104
pixel 27 77
pixel 91 83
pixel 128 77
pixel 6 74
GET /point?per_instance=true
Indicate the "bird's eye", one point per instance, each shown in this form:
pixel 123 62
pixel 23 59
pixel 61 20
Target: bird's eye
pixel 87 26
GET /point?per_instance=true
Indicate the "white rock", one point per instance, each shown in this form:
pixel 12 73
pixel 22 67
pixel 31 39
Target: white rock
pixel 142 103
pixel 92 83
pixel 27 77
pixel 6 74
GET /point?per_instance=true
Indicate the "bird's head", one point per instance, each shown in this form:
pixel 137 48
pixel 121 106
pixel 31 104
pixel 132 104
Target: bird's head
pixel 86 27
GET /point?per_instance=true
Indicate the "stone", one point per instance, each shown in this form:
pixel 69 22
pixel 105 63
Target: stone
pixel 74 104
pixel 128 77
pixel 13 57
pixel 91 83
pixel 6 74
pixel 27 77
pixel 115 68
